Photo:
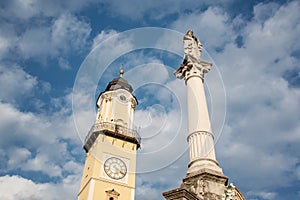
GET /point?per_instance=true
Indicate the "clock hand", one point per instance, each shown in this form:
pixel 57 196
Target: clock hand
pixel 123 173
pixel 120 171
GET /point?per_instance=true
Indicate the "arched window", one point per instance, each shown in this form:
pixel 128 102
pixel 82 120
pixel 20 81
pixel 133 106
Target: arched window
pixel 111 198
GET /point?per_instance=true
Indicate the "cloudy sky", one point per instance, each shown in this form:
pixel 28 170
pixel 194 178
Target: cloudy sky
pixel 56 56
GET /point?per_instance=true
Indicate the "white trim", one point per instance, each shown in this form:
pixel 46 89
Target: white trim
pixel 91 190
pixel 132 194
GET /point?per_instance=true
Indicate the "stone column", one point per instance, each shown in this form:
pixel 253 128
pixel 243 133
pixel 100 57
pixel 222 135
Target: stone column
pixel 204 179
pixel 200 137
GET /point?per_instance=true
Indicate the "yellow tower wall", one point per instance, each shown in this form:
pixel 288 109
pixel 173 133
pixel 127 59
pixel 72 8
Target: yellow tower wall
pixel 94 176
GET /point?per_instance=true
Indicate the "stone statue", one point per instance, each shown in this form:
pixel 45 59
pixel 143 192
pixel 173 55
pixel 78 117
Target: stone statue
pixel 191 59
pixel 192 48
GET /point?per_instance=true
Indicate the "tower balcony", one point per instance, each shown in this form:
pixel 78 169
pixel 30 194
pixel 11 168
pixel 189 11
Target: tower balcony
pixel 113 130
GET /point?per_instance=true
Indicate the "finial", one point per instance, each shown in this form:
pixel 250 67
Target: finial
pixel 121 71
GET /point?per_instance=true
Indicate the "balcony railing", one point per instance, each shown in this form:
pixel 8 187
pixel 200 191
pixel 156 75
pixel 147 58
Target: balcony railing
pixel 116 129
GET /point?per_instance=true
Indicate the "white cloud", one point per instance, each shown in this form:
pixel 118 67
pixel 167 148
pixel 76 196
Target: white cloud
pixel 55 34
pixel 159 73
pixel 73 167
pixel 20 9
pixel 43 144
pixel 68 32
pixel 17 156
pixel 138 9
pixel 33 137
pixel 15 83
pixel 18 188
pixel 25 10
pixel 147 192
pixel 158 10
pixel 162 180
pixel 42 163
pixel 8 39
pixel 212 27
pixel 261 195
pixel 264 11
pixel 18 87
pixel 277 36
pixel 15 187
pixel 103 35
pixel 262 108
pixel 35 42
pixel 64 63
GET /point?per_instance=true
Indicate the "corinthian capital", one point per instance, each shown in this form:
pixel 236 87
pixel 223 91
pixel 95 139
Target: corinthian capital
pixel 189 69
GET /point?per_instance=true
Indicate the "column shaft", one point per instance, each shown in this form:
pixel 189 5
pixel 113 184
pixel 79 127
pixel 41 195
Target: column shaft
pixel 202 153
pixel 198 118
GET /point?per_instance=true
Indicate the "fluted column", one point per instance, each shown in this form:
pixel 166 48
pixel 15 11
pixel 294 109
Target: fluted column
pixel 200 136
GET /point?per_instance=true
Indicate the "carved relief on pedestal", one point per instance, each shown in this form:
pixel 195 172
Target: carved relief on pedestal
pixel 198 187
pixel 211 196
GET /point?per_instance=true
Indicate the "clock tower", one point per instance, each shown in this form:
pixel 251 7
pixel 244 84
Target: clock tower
pixel 111 145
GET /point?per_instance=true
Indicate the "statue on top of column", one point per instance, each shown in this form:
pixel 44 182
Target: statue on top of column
pixel 191 59
pixel 192 47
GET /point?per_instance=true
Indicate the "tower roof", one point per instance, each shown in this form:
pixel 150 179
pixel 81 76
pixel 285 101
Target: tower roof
pixel 119 83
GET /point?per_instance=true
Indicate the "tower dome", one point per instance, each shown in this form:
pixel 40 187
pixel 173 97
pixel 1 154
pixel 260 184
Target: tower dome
pixel 119 83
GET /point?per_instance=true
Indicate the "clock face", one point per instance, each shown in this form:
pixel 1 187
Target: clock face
pixel 115 168
pixel 123 98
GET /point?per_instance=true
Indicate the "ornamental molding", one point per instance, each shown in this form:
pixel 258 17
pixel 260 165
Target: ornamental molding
pixel 199 133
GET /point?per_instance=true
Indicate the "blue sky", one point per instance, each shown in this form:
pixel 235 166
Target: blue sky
pixel 56 56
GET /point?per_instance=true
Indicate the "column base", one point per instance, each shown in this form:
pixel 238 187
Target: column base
pixel 204 185
pixel 204 163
